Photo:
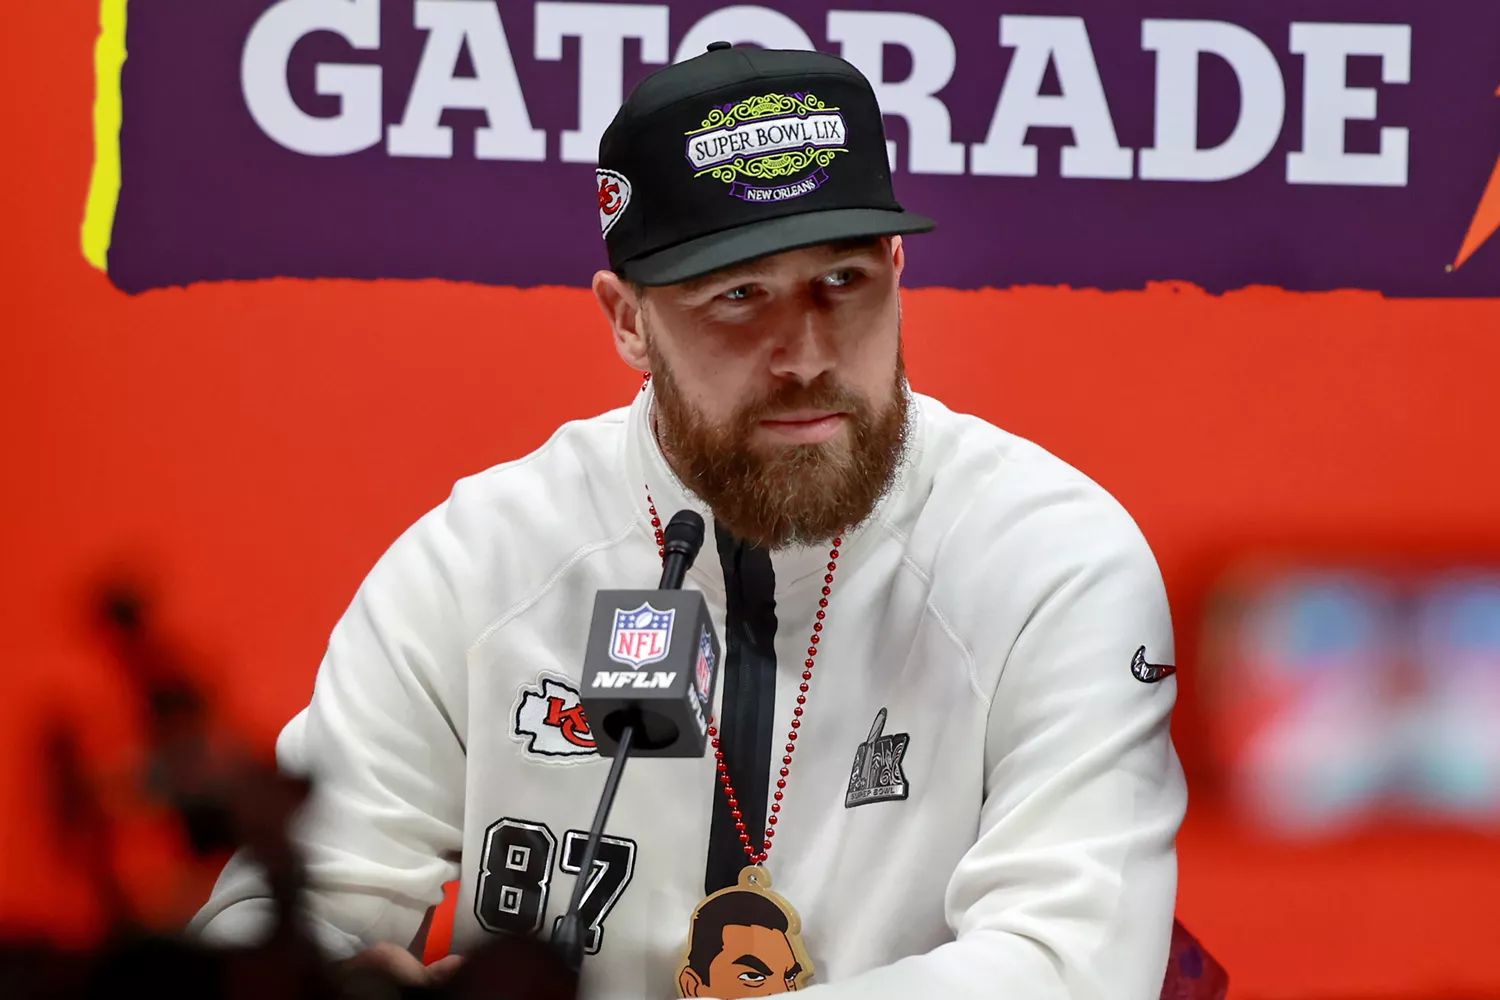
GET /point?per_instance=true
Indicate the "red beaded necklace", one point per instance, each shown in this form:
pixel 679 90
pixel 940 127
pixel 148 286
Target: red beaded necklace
pixel 791 736
pixel 754 878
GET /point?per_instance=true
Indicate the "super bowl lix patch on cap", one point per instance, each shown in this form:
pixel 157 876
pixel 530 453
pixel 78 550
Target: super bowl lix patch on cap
pixel 768 137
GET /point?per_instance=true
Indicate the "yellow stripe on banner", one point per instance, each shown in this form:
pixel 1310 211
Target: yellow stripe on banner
pixel 104 185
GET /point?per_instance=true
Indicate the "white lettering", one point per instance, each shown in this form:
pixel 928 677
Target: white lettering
pixel 634 678
pixel 1178 46
pixel 601 29
pixel 797 190
pixel 743 24
pixel 1082 107
pixel 724 144
pixel 864 34
pixel 493 89
pixel 268 97
pixel 1328 102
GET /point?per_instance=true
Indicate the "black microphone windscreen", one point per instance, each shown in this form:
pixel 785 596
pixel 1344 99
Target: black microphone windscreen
pixel 686 527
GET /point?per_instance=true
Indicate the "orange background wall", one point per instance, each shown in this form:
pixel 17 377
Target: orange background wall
pixel 256 446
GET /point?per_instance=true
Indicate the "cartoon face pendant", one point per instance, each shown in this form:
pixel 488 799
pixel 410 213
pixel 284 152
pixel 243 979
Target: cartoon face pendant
pixel 744 941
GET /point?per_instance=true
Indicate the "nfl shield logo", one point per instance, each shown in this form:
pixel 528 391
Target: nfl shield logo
pixel 641 636
pixel 705 666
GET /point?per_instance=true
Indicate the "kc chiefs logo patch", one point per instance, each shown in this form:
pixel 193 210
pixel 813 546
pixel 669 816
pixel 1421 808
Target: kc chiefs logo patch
pixel 614 195
pixel 549 721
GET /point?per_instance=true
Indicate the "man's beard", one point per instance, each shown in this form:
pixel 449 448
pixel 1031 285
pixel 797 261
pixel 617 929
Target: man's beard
pixel 800 494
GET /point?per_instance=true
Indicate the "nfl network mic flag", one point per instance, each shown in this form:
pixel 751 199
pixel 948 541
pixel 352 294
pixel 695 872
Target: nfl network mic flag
pixel 654 653
pixel 1310 145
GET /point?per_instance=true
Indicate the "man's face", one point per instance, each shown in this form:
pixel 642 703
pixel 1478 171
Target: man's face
pixel 755 961
pixel 779 388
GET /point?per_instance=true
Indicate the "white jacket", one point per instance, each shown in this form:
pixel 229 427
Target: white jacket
pixel 990 608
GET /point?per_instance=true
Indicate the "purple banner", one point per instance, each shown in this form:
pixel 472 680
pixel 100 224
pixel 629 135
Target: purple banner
pixel 1311 145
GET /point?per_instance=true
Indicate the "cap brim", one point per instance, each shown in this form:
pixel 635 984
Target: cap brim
pixel 714 252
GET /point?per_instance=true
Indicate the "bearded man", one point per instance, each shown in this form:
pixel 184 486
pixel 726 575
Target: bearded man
pixel 935 724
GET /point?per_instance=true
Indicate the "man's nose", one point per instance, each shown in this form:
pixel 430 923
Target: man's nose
pixel 804 349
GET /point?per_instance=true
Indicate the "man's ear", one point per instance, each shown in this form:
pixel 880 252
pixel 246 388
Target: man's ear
pixel 898 255
pixel 623 308
pixel 688 984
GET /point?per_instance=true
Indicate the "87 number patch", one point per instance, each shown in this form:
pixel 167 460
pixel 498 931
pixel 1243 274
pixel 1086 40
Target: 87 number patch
pixel 515 877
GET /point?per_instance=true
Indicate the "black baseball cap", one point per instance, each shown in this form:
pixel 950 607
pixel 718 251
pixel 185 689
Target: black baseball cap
pixel 739 153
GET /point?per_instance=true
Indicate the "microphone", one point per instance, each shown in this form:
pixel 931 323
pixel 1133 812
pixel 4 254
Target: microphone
pixel 657 712
pixel 683 538
pixel 652 658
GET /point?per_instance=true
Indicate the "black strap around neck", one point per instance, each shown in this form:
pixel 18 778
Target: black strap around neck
pixel 747 716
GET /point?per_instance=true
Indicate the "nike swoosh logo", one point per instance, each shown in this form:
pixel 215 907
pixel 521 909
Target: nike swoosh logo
pixel 1149 673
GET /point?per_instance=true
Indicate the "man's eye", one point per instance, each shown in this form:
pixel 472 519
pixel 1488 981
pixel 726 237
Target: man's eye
pixel 752 978
pixel 838 279
pixel 739 294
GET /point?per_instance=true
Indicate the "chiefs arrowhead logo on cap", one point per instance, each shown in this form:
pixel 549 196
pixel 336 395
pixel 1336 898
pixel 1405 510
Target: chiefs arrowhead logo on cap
pixel 614 195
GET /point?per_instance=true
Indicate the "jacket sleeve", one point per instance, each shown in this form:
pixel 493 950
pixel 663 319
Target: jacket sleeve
pixel 381 740
pixel 1069 890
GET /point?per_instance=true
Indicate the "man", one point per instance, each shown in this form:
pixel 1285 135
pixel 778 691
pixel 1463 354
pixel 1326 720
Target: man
pixel 929 728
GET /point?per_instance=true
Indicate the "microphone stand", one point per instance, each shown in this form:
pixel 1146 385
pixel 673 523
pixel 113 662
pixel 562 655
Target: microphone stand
pixel 567 936
pixel 683 538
